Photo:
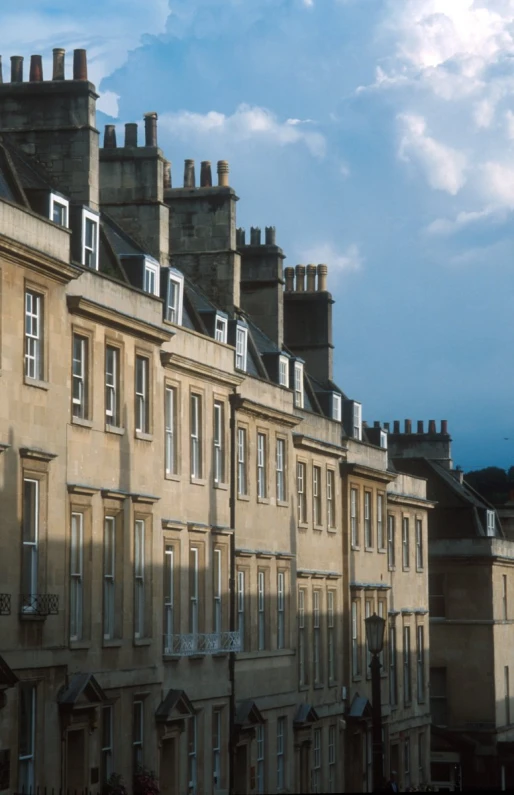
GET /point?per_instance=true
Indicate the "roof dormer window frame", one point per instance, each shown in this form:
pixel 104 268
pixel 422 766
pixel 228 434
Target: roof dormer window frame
pixel 357 421
pixel 298 383
pixel 151 276
pixel 174 290
pixel 283 370
pixel 337 407
pixel 220 327
pixel 490 523
pixel 90 245
pixel 57 201
pixel 241 356
pixel 383 439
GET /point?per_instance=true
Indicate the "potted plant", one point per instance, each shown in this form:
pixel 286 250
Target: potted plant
pixel 145 782
pixel 114 786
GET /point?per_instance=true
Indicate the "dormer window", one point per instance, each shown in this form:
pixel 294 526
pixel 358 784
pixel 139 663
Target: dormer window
pixel 90 228
pixel 491 524
pixel 283 371
pixel 298 385
pixel 383 439
pixel 220 328
pixel 151 276
pixel 336 407
pixel 357 421
pixel 241 347
pixel 59 210
pixel 174 297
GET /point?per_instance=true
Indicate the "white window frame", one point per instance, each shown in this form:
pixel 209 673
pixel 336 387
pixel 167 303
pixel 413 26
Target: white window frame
pixel 383 440
pixel 283 371
pixel 216 748
pixel 139 578
pixel 420 633
pixel 34 335
pixel 109 577
pixel 380 521
pixel 302 670
pixel 241 347
pixel 316 495
pixel 174 309
pixel 356 663
pixel 151 276
pixel 357 421
pixel 192 756
pixel 112 385
pixel 80 345
pixel 194 595
pixel 504 597
pixel 491 523
pixel 262 491
pixel 298 384
pixel 26 761
pixel 281 725
pixel 195 436
pixel 331 512
pixel 169 596
pixel 31 547
pixel 281 607
pixel 107 748
pixel 220 328
pixel 241 607
pixel 65 205
pixel 419 544
pixel 316 626
pixel 336 407
pixel 281 467
pixel 368 528
pixel 218 441
pixel 242 447
pixel 261 754
pixel 87 215
pixel 217 593
pixel 354 516
pixel 301 472
pixel 261 610
pixel 316 761
pixel 142 393
pixel 76 575
pixel 391 541
pixel 405 542
pixel 170 399
pixel 331 645
pixel 138 721
pixel 407 680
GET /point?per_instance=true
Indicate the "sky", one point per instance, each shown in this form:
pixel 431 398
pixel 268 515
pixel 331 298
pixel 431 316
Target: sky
pixel 377 136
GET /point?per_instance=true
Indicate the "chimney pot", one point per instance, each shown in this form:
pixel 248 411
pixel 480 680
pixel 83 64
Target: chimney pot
pixel 420 426
pixel 36 69
pixel 396 426
pixel 189 174
pixel 311 278
pixel 255 236
pixel 386 426
pixel 408 426
pixel 270 236
pixel 376 424
pixel 16 69
pixel 150 129
pixel 167 175
pixel 322 278
pixel 223 171
pixel 300 278
pixel 58 73
pixel 110 136
pixel 79 65
pixel 131 134
pixel 431 426
pixel 205 174
pixel 444 426
pixel 289 276
pixel 240 236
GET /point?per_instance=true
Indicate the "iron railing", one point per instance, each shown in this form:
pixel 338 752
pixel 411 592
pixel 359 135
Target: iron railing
pixel 188 645
pixel 5 604
pixel 40 604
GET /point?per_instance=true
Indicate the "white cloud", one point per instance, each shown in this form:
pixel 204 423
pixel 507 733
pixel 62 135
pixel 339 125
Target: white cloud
pixel 448 226
pixel 443 166
pixel 498 182
pixel 349 259
pixel 247 122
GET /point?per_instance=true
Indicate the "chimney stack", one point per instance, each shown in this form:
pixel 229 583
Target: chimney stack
pixel 396 426
pixel 289 275
pixel 300 278
pixel 240 237
pixel 150 129
pixel 167 175
pixel 79 65
pixel 431 426
pixel 131 134
pixel 36 69
pixel 223 171
pixel 16 69
pixel 255 236
pixel 311 278
pixel 110 136
pixel 322 278
pixel 58 72
pixel 189 174
pixel 408 426
pixel 386 426
pixel 205 174
pixel 420 426
pixel 271 236
pixel 444 426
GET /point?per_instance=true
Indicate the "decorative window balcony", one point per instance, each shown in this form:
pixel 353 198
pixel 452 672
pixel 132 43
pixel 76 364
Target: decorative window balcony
pixel 5 604
pixel 199 643
pixel 40 605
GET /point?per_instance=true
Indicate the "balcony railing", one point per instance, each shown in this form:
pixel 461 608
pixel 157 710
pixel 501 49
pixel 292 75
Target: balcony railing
pixel 5 604
pixel 188 645
pixel 40 604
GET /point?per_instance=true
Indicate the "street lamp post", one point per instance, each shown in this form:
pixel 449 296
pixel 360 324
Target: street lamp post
pixel 375 626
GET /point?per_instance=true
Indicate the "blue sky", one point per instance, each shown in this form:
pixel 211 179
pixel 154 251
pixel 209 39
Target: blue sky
pixel 376 135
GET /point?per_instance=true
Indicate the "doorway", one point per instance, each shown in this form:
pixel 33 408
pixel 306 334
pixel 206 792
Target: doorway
pixel 169 767
pixel 241 770
pixel 76 760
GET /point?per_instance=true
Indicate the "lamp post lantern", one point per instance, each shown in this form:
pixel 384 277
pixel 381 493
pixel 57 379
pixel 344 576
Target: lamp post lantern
pixel 375 626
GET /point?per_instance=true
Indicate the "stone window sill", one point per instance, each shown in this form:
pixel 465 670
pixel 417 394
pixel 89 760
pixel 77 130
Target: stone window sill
pixel 331 529
pixel 282 504
pixel 144 437
pixel 244 497
pixel 369 549
pixel 114 429
pixel 263 500
pixel 171 476
pixel 222 486
pixel 113 643
pixel 37 383
pixel 142 641
pixel 198 481
pixel 80 644
pixel 81 422
pixel 319 528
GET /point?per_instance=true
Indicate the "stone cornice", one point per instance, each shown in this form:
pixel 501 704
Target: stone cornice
pixel 255 409
pixel 78 305
pixel 193 367
pixel 58 270
pixel 362 471
pixel 406 499
pixel 34 454
pixel 303 442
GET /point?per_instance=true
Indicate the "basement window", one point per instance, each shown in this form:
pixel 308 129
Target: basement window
pixel 220 328
pixel 151 276
pixel 90 235
pixel 175 297
pixel 59 210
